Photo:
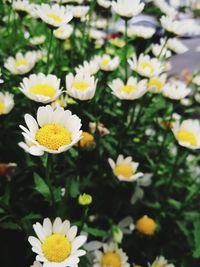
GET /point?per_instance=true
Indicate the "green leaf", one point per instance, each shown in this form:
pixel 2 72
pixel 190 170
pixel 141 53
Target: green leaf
pixel 41 186
pixel 95 232
pixel 196 253
pixel 74 189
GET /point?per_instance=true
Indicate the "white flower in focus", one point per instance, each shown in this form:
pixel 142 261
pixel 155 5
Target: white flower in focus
pixel 38 40
pixel 21 64
pixel 109 64
pixel 125 169
pixel 187 133
pixel 63 32
pixel 156 84
pixel 54 15
pixel 82 86
pixel 128 8
pixel 129 91
pixel 176 90
pixel 161 262
pixel 110 256
pixel 104 3
pixel 6 103
pixel 146 66
pixel 41 88
pixel 175 45
pixel 91 67
pixel 55 131
pixel 57 243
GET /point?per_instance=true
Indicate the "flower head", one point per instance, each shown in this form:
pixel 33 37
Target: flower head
pixel 41 88
pixel 86 140
pixel 85 199
pixel 91 67
pixel 187 133
pixel 109 64
pixel 104 3
pixel 55 131
pixel 176 90
pixel 23 6
pixel 56 243
pixel 161 262
pixel 129 91
pixel 174 27
pixel 128 8
pixel 156 84
pixel 146 225
pixel 6 103
pixel 54 15
pixel 125 169
pixel 63 32
pixel 38 40
pixel 146 66
pixel 82 86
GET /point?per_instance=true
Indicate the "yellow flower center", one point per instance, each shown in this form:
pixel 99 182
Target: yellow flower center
pixel 20 62
pixel 53 136
pixel 44 89
pixel 123 170
pixel 146 225
pixel 155 83
pixel 2 107
pixel 159 265
pixel 111 259
pixel 128 88
pixel 185 136
pixel 147 66
pixel 105 61
pixel 54 17
pixel 82 86
pixel 86 139
pixel 56 248
pixel 59 31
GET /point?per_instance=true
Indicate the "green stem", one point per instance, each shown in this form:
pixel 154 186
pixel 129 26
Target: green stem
pixel 49 50
pixel 159 56
pixel 126 50
pixel 85 213
pixel 48 178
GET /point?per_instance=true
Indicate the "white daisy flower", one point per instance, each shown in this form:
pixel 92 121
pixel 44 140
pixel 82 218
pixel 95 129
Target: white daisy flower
pixel 175 45
pixel 104 3
pixel 91 67
pixel 70 1
pixel 21 64
pixel 165 8
pixel 1 80
pixel 63 32
pixel 60 102
pixel 22 6
pixel 6 103
pixel 38 40
pixel 187 133
pixel 97 34
pixel 80 12
pixel 161 262
pixel 145 181
pixel 146 66
pixel 82 86
pixel 125 169
pixel 127 8
pixel 107 63
pixel 139 31
pixel 37 264
pixel 55 131
pixel 176 90
pixel 57 244
pixel 100 23
pixel 160 50
pixel 196 80
pixel 129 91
pixel 173 26
pixel 41 88
pixel 54 15
pixel 156 84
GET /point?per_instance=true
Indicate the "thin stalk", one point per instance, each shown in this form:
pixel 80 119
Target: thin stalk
pixel 48 178
pixel 126 50
pixel 49 50
pixel 163 47
pixel 84 217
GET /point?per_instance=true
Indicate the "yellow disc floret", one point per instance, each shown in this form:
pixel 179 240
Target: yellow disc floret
pixel 86 139
pixel 124 170
pixel 185 136
pixel 81 86
pixel 54 17
pixel 147 65
pixel 2 107
pixel 146 225
pixel 105 61
pixel 56 248
pixel 44 89
pixel 20 62
pixel 53 136
pixel 156 83
pixel 128 88
pixel 111 259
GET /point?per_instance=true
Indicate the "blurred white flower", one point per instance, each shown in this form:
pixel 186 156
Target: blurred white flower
pixel 104 3
pixel 133 89
pixel 176 90
pixel 175 45
pixel 107 63
pixel 79 11
pixel 161 261
pixel 97 34
pixel 82 86
pixel 91 67
pixel 160 50
pixel 140 31
pixel 22 6
pixel 38 40
pixel 6 103
pixel 37 264
pixel 173 26
pixel 196 80
pixel 127 8
pixel 63 32
pixel 156 84
pixel 144 181
pixel 166 8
